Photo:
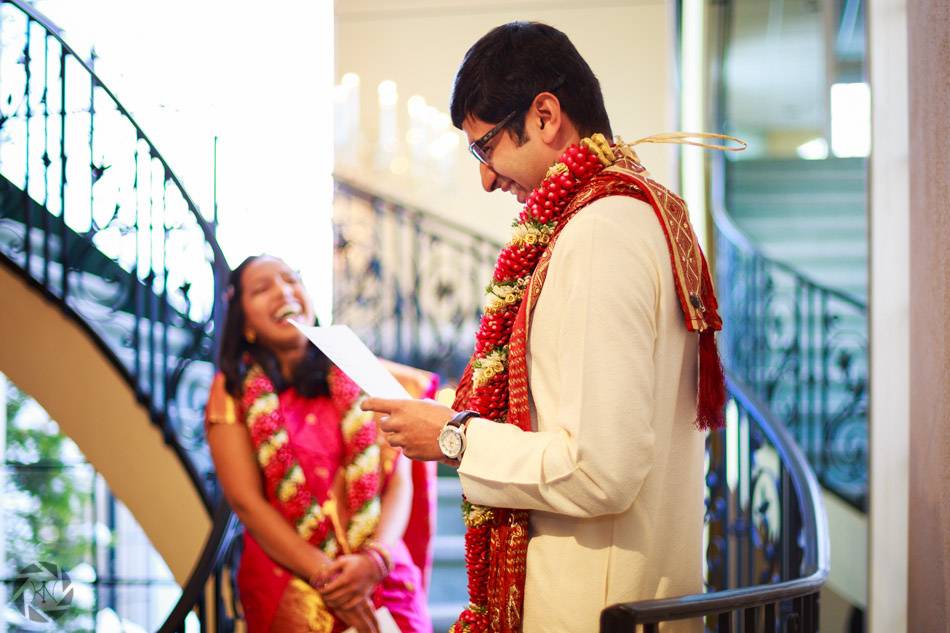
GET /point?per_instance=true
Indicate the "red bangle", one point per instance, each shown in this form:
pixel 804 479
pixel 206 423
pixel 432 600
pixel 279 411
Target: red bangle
pixel 382 551
pixel 316 580
pixel 374 556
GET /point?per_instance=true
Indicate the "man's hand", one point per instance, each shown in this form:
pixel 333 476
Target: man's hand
pixel 412 425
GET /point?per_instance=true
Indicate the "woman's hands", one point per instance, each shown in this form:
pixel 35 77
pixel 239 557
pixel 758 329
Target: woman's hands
pixel 349 580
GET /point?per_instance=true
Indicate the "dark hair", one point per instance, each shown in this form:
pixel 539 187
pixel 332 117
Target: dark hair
pixel 237 355
pixel 511 64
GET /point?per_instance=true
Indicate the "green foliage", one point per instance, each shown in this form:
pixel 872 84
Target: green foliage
pixel 48 501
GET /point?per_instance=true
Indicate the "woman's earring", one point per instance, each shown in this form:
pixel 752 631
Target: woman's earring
pixel 250 336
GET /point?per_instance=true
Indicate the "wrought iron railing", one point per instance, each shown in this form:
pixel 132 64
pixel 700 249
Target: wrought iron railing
pixel 800 346
pixel 211 590
pixel 410 283
pixel 768 551
pixel 93 216
pixel 768 554
pixel 766 560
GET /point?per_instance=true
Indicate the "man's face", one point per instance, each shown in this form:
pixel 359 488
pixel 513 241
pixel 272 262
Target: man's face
pixel 516 169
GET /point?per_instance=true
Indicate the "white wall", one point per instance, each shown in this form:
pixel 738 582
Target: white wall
pixel 257 76
pixel 889 318
pixel 419 45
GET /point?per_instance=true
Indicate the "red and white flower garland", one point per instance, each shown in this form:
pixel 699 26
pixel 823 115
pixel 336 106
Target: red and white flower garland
pixel 284 479
pixel 533 230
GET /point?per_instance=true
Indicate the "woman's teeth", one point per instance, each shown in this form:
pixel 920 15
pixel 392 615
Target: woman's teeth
pixel 288 311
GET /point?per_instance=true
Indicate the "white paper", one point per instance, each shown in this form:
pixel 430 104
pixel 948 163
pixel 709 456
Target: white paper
pixel 345 350
pixel 384 619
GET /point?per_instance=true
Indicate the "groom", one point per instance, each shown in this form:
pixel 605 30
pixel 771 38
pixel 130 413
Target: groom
pixel 575 427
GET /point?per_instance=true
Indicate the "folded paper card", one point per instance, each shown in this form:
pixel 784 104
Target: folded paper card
pixel 345 350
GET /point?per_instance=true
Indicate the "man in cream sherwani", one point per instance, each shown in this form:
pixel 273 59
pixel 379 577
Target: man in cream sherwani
pixel 611 470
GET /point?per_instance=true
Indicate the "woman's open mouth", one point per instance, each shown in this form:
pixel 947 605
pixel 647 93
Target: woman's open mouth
pixel 289 311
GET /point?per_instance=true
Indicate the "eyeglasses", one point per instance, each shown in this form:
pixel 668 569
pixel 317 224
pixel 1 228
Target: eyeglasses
pixel 479 148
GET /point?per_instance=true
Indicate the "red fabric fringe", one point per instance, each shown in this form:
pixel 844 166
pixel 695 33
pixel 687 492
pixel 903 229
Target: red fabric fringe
pixel 710 408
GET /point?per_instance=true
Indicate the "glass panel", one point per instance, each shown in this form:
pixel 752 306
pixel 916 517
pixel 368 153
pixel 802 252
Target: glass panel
pixel 72 554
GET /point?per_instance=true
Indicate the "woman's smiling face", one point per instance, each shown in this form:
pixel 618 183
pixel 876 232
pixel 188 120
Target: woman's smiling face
pixel 273 296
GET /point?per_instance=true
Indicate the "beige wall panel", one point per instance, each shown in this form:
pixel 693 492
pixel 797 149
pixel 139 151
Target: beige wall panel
pixel 55 361
pixel 629 46
pixel 928 23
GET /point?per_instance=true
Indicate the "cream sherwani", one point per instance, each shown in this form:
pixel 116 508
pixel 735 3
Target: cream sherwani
pixel 613 477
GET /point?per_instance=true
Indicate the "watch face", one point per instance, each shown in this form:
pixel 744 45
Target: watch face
pixel 450 441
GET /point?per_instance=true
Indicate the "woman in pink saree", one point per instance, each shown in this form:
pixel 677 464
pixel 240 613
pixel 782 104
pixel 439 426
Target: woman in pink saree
pixel 338 524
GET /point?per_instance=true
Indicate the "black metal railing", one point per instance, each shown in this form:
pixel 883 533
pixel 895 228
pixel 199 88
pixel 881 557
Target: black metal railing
pixel 408 282
pixel 412 285
pixel 211 591
pixel 766 561
pixel 802 347
pixel 92 215
pixel 768 553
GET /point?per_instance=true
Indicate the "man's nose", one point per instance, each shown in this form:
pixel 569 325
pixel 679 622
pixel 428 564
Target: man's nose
pixel 489 177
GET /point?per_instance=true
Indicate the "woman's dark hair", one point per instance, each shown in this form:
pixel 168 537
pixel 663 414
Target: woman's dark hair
pixel 510 65
pixel 237 355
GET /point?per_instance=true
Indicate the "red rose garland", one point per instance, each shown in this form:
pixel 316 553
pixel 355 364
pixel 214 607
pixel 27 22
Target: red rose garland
pixel 488 394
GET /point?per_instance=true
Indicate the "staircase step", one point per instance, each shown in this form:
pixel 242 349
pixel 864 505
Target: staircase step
pixel 851 227
pixel 444 614
pixel 448 592
pixel 449 584
pixel 782 168
pixel 796 205
pixel 449 548
pixel 449 517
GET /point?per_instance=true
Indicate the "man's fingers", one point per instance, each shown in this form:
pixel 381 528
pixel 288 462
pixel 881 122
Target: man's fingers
pixel 387 424
pixel 380 405
pixel 396 440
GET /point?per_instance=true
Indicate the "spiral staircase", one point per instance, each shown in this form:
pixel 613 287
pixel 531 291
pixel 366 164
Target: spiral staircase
pixel 115 279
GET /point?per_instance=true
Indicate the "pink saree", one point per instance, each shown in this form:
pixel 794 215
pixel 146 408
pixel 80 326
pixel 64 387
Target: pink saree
pixel 274 599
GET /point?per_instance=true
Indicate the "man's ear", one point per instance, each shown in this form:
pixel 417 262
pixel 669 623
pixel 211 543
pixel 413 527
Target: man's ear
pixel 546 116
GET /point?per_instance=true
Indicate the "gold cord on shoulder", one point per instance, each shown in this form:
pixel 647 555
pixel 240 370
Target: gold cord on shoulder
pixel 688 138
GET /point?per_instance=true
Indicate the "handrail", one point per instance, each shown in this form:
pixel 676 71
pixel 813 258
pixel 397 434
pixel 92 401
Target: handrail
pixel 409 282
pixel 801 346
pixel 354 189
pixel 224 530
pixel 55 31
pixel 144 284
pixel 815 543
pixel 162 271
pixel 731 231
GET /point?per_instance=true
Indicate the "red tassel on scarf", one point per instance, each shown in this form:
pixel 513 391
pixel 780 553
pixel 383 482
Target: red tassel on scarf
pixel 710 413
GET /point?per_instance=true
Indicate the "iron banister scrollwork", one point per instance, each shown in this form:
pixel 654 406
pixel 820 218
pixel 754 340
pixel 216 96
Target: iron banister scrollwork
pixel 410 283
pixel 92 214
pixel 56 32
pixel 803 539
pixel 802 347
pixel 218 562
